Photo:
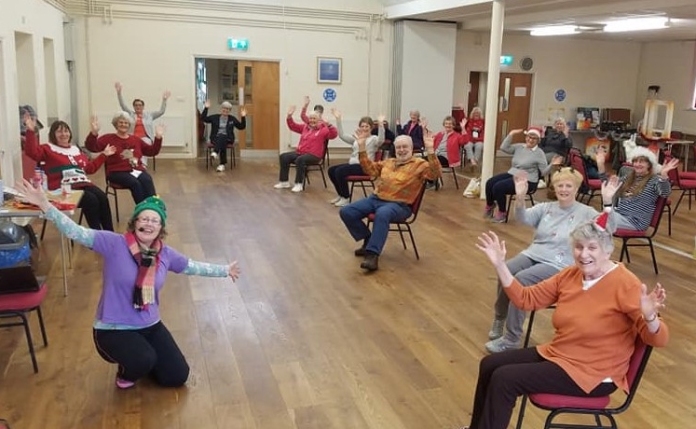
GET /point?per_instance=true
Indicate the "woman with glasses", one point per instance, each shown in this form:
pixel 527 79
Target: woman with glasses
pixel 550 250
pixel 128 330
pixel 525 157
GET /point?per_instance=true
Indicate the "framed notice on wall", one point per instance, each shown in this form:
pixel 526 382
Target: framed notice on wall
pixel 329 70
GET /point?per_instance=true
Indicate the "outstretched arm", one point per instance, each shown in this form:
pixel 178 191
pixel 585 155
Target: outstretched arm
pixel 163 107
pixel 204 269
pixel 121 102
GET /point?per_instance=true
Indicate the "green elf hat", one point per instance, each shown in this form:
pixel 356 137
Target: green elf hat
pixel 152 203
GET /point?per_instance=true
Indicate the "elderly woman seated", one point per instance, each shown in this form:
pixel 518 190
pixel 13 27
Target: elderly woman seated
pixel 601 307
pixel 525 157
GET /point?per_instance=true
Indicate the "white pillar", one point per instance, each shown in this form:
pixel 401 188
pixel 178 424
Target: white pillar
pixel 491 114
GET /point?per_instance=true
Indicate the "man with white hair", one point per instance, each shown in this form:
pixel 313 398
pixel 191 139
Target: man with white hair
pixel 222 130
pixel 400 181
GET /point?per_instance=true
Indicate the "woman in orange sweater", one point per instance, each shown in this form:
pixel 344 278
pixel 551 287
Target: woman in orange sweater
pixel 600 309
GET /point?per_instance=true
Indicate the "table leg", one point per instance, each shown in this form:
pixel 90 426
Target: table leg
pixel 63 264
pixel 686 157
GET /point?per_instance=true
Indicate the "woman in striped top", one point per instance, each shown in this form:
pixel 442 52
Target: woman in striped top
pixel 642 184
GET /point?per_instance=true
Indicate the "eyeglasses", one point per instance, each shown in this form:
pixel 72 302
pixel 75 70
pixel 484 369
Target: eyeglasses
pixel 151 221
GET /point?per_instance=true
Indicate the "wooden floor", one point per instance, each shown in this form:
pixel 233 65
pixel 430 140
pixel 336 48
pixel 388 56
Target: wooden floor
pixel 305 339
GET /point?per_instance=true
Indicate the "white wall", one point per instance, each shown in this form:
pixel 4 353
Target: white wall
pixel 428 70
pixel 112 51
pixel 593 73
pixel 41 21
pixel 671 65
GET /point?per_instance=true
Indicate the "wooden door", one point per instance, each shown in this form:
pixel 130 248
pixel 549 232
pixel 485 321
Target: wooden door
pixel 514 96
pixel 260 81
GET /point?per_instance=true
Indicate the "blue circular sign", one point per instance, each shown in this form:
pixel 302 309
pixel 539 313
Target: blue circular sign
pixel 560 95
pixel 329 95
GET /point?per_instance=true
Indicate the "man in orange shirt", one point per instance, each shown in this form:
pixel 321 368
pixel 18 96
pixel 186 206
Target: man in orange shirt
pixel 401 179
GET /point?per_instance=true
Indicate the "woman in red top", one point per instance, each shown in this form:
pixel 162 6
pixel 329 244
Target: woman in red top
pixel 64 163
pixel 125 167
pixel 475 127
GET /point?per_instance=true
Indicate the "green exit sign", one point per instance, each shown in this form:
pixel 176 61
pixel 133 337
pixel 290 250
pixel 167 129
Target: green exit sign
pixel 237 44
pixel 506 60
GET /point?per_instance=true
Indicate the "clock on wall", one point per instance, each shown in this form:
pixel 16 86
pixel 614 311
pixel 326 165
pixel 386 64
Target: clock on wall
pixel 526 63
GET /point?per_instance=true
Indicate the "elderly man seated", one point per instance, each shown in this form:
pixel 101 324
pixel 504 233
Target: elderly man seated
pixel 400 182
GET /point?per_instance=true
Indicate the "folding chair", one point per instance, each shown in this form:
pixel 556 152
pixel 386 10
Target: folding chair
pixel 511 197
pixel 18 306
pixel 209 150
pixel 319 166
pixel 111 189
pixel 363 180
pixel 628 234
pixel 592 187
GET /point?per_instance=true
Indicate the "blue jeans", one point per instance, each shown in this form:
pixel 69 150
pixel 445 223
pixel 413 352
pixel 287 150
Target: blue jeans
pixel 385 212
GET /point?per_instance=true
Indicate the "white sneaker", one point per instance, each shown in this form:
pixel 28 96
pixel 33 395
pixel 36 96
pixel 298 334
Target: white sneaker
pixel 220 168
pixel 496 329
pixel 342 202
pixel 213 154
pixel 282 185
pixel 299 187
pixel 335 200
pixel 500 345
pixel 541 184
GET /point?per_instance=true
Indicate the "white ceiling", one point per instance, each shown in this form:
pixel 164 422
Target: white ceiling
pixel 523 15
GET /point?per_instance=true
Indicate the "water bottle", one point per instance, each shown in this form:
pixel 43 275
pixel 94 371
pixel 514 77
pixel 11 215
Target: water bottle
pixel 44 181
pixel 36 179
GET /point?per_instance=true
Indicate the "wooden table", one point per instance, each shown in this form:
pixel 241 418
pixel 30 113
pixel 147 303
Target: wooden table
pixel 8 210
pixel 669 144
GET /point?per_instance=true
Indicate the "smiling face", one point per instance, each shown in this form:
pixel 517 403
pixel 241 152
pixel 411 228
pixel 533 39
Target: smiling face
pixel 565 191
pixel 532 140
pixel 414 115
pixel 591 258
pixel 449 126
pixel 138 106
pixel 224 111
pixel 148 225
pixel 642 165
pixel 365 127
pixel 60 134
pixel 403 147
pixel 122 126
pixel 313 120
pixel 559 125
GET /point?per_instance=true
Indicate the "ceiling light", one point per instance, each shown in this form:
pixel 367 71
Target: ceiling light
pixel 637 24
pixel 555 30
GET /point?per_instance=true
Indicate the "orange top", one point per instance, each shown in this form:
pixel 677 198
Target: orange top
pixel 595 328
pixel 400 182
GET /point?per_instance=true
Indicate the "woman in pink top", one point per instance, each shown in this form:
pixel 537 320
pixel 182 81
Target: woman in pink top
pixel 600 309
pixel 314 137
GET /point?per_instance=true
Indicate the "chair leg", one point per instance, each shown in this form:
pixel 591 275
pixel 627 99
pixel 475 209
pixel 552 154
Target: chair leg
pixel 520 414
pixel 401 234
pixel 42 326
pixel 154 163
pixel 413 242
pixel 652 253
pixel 43 230
pixel 207 158
pixel 678 202
pixel 456 182
pixel 30 342
pixel 669 221
pixel 321 169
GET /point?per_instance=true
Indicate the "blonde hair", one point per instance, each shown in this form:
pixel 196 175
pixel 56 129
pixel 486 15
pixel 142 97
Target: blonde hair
pixel 476 109
pixel 567 173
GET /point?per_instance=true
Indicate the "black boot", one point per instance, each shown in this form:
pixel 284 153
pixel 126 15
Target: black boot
pixel 360 252
pixel 371 262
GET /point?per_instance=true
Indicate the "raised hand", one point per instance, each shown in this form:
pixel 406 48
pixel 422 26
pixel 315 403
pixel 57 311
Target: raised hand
pixel 291 110
pixel 651 303
pixel 516 131
pixel 521 179
pixel 557 160
pixel 242 111
pixel 669 166
pixel 428 141
pixel 305 101
pixel 34 195
pixel 234 271
pixel 493 247
pixel 109 150
pixel 159 131
pixel 94 125
pixel 381 119
pixel 609 189
pixel 463 124
pixel 207 104
pixel 118 87
pixel 336 113
pixel 166 94
pixel 29 122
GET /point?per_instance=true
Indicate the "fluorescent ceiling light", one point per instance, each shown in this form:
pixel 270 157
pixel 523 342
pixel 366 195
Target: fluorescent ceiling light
pixel 555 30
pixel 637 24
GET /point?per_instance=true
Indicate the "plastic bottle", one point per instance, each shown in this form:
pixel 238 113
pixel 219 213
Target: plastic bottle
pixel 36 179
pixel 44 181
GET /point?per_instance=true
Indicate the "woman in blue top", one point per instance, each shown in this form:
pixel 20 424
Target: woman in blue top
pixel 128 330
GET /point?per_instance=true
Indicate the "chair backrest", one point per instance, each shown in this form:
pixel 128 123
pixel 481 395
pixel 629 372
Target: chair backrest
pixel 378 156
pixel 578 164
pixel 415 207
pixel 636 367
pixel 657 214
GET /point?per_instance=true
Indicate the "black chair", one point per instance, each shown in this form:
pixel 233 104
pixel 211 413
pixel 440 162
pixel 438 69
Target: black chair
pixel 512 197
pixel 319 166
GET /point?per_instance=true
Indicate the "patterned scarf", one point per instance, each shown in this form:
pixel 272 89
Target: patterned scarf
pixel 147 260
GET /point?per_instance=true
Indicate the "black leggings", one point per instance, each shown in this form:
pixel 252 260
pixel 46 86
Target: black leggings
pixel 338 175
pixel 141 187
pixel 148 351
pixel 95 206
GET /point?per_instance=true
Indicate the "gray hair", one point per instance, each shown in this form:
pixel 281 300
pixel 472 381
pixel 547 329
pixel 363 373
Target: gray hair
pixel 404 137
pixel 588 231
pixel 121 115
pixel 226 105
pixel 315 114
pixel 414 112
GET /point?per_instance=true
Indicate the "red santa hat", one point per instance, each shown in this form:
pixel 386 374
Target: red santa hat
pixel 601 220
pixel 533 131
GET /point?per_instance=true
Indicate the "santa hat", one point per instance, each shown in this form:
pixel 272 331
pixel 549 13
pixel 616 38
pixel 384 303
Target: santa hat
pixel 601 220
pixel 534 131
pixel 643 152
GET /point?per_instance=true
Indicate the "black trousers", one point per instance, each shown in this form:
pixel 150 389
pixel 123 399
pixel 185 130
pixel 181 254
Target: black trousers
pixel 148 351
pixel 301 162
pixel 500 186
pixel 140 187
pixel 506 375
pixel 95 206
pixel 339 173
pixel 220 142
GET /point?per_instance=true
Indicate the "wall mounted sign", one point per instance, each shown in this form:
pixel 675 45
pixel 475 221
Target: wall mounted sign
pixel 237 44
pixel 329 95
pixel 560 95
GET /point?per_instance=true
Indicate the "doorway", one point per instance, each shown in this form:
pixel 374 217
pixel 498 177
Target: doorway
pixel 254 85
pixel 514 100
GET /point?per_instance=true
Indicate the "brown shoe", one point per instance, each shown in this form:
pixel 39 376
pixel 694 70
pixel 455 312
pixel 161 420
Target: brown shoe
pixel 371 262
pixel 360 251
